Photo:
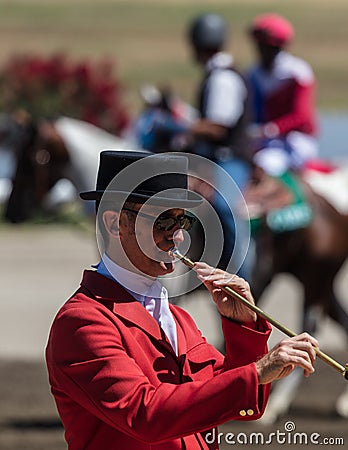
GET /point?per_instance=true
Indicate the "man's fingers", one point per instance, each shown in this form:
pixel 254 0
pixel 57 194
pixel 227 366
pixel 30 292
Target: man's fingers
pixel 304 344
pixel 285 356
pixel 304 362
pixel 219 277
pixel 299 352
pixel 306 337
pixel 203 267
pixel 303 359
pixel 213 274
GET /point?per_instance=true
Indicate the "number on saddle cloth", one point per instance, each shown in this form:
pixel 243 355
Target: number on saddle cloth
pixel 294 216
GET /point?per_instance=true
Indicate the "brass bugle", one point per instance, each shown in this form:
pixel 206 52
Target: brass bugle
pixel 323 356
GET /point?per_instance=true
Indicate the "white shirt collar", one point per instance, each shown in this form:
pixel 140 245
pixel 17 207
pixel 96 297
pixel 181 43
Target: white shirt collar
pixel 139 285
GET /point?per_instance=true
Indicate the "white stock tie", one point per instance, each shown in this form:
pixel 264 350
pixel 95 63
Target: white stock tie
pixel 158 307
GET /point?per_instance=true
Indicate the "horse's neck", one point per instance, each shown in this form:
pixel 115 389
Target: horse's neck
pixel 84 143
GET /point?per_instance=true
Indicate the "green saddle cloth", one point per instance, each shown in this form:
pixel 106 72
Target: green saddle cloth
pixel 292 217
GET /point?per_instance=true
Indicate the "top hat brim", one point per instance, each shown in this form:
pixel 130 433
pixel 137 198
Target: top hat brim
pixel 192 199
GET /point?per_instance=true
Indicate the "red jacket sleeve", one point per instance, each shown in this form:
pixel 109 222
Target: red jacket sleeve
pixel 301 117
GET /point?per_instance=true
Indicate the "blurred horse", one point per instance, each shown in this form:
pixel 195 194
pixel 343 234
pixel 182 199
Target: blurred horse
pixel 50 151
pixel 313 254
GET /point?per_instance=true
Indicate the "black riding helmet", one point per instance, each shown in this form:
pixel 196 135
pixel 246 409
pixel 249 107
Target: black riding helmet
pixel 208 32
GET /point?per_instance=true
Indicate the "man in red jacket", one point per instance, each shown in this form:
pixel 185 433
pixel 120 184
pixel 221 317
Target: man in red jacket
pixel 128 370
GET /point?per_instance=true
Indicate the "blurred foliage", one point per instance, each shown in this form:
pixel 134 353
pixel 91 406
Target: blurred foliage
pixel 51 86
pixel 147 38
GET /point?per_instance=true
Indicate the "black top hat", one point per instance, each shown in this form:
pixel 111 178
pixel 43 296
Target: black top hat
pixel 142 176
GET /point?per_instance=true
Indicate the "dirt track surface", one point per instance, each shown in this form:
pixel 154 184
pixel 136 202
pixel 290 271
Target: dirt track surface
pixel 41 266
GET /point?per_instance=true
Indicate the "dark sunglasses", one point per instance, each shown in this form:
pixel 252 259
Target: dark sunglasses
pixel 167 223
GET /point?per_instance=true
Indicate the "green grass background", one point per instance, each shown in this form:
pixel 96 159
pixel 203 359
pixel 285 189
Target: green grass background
pixel 146 38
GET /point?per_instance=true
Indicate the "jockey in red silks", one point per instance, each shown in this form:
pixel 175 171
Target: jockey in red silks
pixel 282 99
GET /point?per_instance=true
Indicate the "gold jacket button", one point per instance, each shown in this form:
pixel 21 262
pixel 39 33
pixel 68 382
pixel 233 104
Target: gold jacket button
pixel 242 412
pixel 250 412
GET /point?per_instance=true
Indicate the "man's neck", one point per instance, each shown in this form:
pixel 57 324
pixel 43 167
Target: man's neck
pixel 125 269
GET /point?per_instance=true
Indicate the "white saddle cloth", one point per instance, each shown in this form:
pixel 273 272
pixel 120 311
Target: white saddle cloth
pixel 332 186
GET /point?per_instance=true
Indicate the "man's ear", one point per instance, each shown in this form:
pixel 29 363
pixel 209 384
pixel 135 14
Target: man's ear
pixel 111 222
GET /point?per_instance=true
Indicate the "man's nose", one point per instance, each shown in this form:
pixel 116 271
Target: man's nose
pixel 178 236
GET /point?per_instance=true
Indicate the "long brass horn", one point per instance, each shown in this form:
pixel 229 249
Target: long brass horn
pixel 323 356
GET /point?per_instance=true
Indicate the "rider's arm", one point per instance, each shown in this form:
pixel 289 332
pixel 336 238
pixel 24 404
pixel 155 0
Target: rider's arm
pixel 300 118
pixel 206 129
pixel 224 106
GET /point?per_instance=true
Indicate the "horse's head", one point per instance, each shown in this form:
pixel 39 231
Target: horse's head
pixel 42 156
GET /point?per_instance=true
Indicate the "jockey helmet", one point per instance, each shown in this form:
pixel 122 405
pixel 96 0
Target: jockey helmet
pixel 208 32
pixel 272 29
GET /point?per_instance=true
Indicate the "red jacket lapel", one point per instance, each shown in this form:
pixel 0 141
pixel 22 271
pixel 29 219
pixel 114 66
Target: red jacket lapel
pixel 120 301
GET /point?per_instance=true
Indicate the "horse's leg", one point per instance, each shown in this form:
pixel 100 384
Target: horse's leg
pixel 20 205
pixel 319 298
pixel 342 404
pixel 312 315
pixel 284 391
pixel 339 314
pixel 336 311
pixel 263 267
pixel 326 297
